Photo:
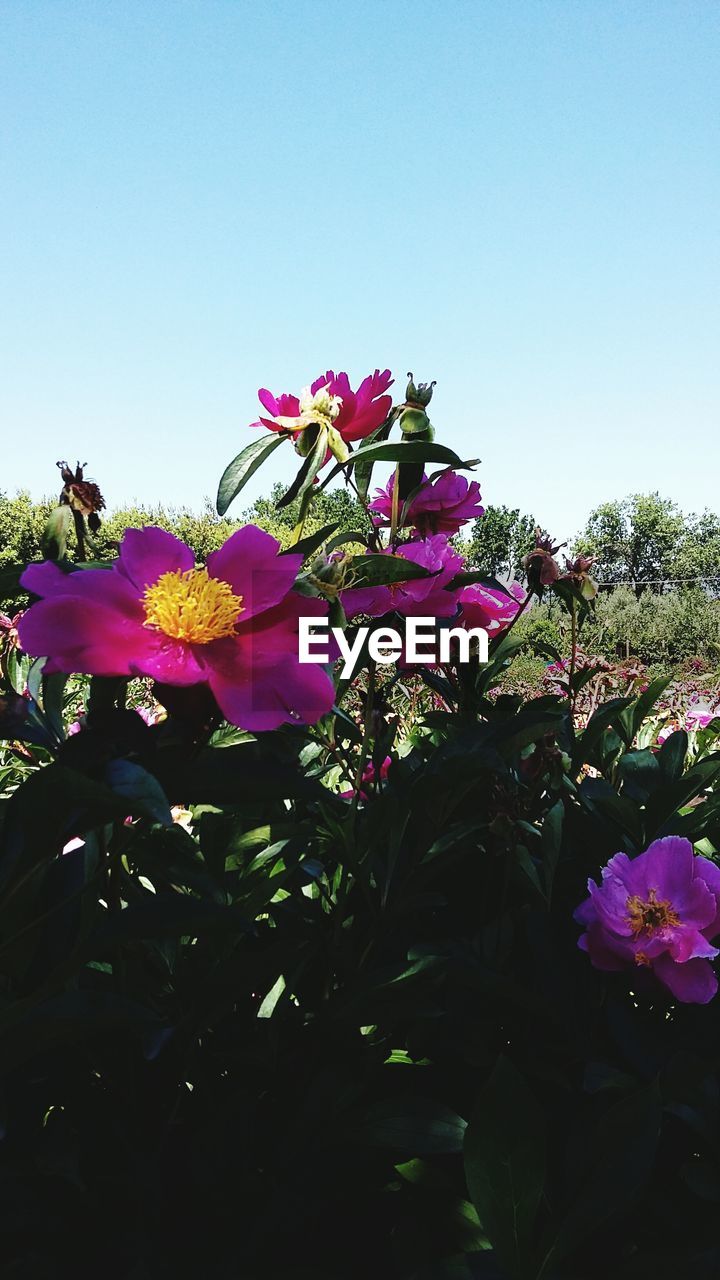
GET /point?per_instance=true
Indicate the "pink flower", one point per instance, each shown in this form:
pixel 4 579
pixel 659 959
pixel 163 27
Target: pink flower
pixel 658 911
pixel 330 402
pixel 418 597
pixel 369 778
pixel 443 504
pixel 699 716
pixel 487 607
pixel 232 625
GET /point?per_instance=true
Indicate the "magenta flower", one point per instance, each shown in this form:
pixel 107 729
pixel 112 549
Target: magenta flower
pixel 658 911
pixel 232 625
pixel 489 608
pixel 371 777
pixel 418 597
pixel 330 402
pixel 443 504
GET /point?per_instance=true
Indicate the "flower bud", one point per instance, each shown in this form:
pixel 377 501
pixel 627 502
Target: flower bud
pixel 418 396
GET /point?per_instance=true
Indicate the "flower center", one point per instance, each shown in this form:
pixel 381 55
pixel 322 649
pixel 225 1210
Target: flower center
pixel 321 408
pixel 647 915
pixel 192 606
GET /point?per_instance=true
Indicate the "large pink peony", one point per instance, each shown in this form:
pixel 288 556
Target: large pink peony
pixel 232 625
pixel 329 401
pixel 482 606
pixel 658 911
pixel 442 504
pixel 418 597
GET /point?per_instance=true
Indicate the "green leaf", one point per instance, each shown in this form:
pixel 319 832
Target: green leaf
pixel 238 472
pixel 307 473
pixel 342 539
pixel 663 804
pixel 505 1164
pixel 671 756
pixel 417 1125
pixel 403 451
pixel 140 788
pixel 640 774
pixel 306 546
pixel 17 665
pixel 267 1008
pixel 552 829
pixel 616 1162
pixel 600 720
pixel 53 690
pixel 34 680
pixel 631 720
pixel 379 570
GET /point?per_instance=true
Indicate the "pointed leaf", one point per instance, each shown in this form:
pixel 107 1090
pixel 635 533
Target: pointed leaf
pixel 238 472
pixel 505 1164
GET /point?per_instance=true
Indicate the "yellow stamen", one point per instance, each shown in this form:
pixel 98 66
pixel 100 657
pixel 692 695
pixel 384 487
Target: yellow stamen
pixel 649 915
pixel 192 606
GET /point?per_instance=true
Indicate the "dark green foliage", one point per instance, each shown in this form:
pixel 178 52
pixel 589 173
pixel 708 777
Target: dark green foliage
pixel 336 1041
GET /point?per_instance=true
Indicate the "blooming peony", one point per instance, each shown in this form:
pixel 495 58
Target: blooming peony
pixel 658 911
pixel 232 625
pixel 482 606
pixel 418 597
pixel 442 504
pixel 330 402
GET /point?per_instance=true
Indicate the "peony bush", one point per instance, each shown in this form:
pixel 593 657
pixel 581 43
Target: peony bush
pixel 410 974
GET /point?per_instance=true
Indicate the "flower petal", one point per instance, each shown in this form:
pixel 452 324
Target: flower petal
pixel 257 678
pixel 691 983
pixel 145 554
pixel 250 563
pixel 101 642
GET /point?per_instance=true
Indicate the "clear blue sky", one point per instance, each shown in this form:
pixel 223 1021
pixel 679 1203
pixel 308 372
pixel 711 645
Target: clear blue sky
pixel 518 198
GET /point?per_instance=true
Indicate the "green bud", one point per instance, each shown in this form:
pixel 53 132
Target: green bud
pixel 414 422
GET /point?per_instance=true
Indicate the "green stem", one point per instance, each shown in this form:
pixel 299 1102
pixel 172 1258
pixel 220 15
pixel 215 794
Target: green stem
pixel 573 659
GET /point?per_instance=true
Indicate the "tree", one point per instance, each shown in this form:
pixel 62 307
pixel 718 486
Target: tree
pixel 499 540
pixel 330 506
pixel 646 541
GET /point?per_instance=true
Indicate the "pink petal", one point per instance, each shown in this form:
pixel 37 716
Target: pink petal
pixel 250 563
pixel 692 983
pixel 145 554
pixel 100 641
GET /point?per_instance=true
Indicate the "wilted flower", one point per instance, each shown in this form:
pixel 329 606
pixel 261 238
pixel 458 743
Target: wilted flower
pixel 442 504
pixel 490 608
pixel 330 404
pixel 577 573
pixel 81 495
pixel 540 566
pixel 417 597
pixel 9 631
pixel 658 911
pixel 232 625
